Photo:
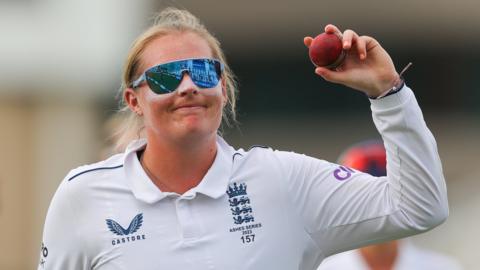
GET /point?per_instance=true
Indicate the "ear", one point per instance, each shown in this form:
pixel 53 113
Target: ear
pixel 131 98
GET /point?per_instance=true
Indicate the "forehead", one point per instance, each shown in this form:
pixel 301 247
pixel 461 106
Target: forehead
pixel 174 46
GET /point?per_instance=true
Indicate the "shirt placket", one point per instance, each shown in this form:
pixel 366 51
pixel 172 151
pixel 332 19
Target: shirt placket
pixel 186 219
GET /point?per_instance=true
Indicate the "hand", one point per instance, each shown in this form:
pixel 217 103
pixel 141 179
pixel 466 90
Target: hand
pixel 367 66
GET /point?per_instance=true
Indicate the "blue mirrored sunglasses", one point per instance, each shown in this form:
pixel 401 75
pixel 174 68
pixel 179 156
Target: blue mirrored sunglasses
pixel 165 78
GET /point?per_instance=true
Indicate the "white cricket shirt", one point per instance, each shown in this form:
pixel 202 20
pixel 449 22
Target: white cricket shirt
pixel 257 209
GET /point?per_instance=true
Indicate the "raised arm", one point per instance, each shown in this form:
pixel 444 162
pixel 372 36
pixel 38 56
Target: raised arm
pixel 342 208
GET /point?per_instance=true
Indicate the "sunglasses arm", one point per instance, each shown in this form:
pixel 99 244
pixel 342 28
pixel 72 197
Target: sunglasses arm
pixel 138 81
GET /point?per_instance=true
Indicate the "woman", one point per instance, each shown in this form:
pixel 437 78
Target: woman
pixel 182 198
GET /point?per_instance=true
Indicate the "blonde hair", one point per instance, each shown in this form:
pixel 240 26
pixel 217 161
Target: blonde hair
pixel 169 20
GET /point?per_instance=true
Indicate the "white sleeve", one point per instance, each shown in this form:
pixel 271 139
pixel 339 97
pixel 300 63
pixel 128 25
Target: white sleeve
pixel 343 209
pixel 62 243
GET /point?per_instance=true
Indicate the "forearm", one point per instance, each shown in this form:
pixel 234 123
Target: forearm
pixel 411 199
pixel 414 170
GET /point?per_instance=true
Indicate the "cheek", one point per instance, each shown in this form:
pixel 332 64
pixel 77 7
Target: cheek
pixel 151 97
pixel 154 105
pixel 213 92
pixel 218 100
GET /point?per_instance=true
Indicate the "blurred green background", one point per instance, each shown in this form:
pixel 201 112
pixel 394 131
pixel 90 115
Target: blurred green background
pixel 60 70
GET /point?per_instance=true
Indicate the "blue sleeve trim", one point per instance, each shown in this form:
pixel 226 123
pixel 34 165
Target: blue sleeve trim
pixel 95 169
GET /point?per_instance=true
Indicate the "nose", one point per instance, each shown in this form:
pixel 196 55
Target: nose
pixel 187 86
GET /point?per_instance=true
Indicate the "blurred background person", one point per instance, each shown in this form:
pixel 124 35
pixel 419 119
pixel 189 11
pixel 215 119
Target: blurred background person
pixel 369 156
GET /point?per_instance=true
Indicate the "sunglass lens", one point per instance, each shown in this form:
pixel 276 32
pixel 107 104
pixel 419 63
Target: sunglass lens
pixel 204 72
pixel 162 82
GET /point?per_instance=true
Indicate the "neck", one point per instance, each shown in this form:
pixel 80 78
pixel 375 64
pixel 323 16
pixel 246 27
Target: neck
pixel 380 256
pixel 178 167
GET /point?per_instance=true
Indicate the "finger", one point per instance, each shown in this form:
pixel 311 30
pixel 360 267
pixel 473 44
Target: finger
pixel 361 45
pixel 332 29
pixel 329 75
pixel 349 37
pixel 307 41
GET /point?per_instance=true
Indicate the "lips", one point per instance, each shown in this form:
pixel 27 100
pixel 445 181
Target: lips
pixel 187 107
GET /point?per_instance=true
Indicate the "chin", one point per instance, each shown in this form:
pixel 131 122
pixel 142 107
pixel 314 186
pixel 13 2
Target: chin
pixel 197 129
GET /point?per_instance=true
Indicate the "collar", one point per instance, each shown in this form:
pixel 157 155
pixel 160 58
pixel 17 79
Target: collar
pixel 214 183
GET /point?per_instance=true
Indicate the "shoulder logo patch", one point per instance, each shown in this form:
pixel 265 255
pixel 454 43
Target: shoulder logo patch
pixel 134 226
pixel 343 173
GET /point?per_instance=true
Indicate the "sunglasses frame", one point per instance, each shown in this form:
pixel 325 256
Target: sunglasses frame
pixel 136 83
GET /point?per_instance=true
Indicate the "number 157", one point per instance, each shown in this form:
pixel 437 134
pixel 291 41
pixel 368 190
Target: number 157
pixel 248 238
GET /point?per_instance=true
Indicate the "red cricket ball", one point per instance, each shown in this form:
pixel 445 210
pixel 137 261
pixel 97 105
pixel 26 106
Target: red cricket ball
pixel 327 51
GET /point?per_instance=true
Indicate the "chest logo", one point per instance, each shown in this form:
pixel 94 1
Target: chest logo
pixel 242 212
pixel 134 226
pixel 240 203
pixel 117 229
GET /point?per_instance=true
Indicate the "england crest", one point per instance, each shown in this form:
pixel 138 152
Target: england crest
pixel 240 203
